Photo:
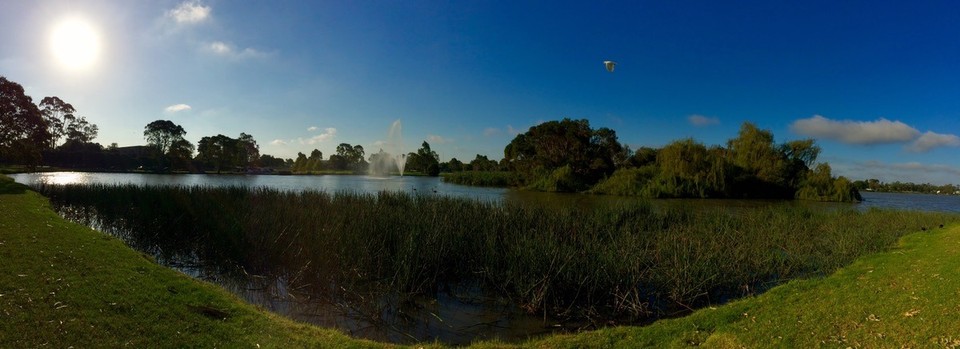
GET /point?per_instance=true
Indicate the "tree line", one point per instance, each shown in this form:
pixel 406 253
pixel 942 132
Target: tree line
pixel 564 156
pixel 570 156
pixel 874 184
pixel 51 133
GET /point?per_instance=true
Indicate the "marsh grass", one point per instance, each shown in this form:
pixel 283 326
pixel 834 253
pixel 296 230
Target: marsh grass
pixel 620 264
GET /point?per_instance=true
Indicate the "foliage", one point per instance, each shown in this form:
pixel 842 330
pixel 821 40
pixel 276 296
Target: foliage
pixel 221 152
pixel 482 163
pixel 500 179
pixel 161 134
pixel 629 182
pixel 751 166
pixel 269 161
pixel 874 184
pixel 62 122
pixel 588 154
pixel 820 185
pixel 453 165
pixel 425 160
pixel 304 164
pixel 23 132
pixel 169 146
pixel 349 157
pixel 689 169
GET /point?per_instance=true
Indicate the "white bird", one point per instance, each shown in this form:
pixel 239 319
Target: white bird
pixel 609 65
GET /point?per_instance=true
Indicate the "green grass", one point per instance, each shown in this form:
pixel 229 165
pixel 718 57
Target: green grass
pixel 63 284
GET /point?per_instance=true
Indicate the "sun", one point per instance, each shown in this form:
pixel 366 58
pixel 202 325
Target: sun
pixel 75 44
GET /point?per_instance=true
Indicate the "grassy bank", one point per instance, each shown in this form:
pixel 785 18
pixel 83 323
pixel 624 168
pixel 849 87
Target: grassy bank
pixel 62 284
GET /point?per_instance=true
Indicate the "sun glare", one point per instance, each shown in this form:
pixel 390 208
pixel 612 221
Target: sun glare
pixel 75 44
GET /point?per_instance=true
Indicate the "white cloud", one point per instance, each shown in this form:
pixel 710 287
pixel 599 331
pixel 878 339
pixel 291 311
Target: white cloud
pixel 312 128
pixel 512 131
pixel 905 172
pixel 438 139
pixel 278 142
pixel 881 131
pixel 932 140
pixel 189 12
pixel 227 50
pixel 177 108
pixel 701 121
pixel 379 143
pixel 328 134
pixel 491 131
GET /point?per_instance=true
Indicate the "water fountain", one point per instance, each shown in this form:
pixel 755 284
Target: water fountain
pixel 391 153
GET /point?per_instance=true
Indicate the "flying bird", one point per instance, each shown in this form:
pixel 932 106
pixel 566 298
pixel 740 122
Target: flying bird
pixel 609 65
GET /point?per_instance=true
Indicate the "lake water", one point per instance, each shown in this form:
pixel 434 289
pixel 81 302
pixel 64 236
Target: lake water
pixel 436 186
pixel 466 314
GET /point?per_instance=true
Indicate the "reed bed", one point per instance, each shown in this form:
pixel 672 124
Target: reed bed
pixel 618 264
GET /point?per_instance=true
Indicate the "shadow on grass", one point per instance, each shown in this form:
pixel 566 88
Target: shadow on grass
pixel 8 186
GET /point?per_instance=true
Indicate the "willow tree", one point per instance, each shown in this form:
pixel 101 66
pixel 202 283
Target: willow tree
pixel 689 169
pixel 764 169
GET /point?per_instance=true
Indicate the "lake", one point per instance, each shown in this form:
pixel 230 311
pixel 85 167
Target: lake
pixel 436 186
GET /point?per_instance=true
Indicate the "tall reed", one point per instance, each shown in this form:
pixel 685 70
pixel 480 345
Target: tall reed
pixel 621 263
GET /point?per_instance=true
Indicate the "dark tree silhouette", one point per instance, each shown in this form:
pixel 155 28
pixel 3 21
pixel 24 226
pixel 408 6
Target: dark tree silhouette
pixel 23 132
pixel 56 112
pixel 161 134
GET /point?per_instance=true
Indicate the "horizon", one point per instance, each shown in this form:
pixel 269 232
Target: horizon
pixel 875 84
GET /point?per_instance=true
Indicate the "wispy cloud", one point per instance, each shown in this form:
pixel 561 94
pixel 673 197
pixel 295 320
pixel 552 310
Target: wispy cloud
pixel 189 12
pixel 177 108
pixel 702 121
pixel 278 142
pixel 438 139
pixel 228 50
pixel 491 131
pixel 880 131
pixel 328 133
pixel 312 128
pixel 930 140
pixel 512 131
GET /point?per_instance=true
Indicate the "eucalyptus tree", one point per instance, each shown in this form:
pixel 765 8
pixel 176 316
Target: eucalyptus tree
pixel 56 112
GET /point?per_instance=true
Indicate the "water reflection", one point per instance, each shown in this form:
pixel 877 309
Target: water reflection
pixel 435 186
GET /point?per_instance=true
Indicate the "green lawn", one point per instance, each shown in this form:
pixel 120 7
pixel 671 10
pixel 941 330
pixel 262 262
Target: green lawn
pixel 62 285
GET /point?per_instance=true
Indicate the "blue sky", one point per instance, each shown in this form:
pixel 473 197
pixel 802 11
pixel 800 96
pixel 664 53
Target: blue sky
pixel 876 83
